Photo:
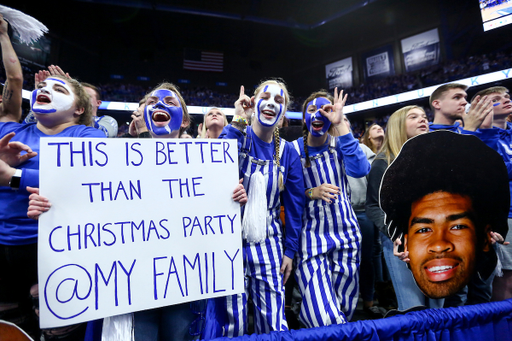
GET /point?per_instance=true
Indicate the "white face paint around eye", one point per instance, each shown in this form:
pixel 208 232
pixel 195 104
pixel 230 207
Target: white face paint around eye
pixel 51 97
pixel 270 105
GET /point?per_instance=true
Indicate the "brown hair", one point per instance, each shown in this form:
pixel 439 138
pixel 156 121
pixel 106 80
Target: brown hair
pixel 439 92
pixel 491 90
pixel 173 88
pixel 82 100
pixel 94 88
pixel 366 138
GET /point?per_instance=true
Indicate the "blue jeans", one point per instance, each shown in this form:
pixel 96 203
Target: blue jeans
pixel 367 269
pixel 178 322
pixel 407 292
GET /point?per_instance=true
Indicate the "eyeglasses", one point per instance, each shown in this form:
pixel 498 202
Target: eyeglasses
pixel 197 326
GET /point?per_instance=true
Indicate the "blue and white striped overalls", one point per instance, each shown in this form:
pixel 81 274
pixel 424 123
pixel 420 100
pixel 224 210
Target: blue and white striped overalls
pixel 329 252
pixel 262 261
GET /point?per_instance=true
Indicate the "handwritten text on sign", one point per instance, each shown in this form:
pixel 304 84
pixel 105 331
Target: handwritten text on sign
pixel 136 224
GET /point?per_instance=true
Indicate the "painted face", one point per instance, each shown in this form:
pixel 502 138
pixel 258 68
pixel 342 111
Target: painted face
pixel 441 241
pixel 317 123
pixel 52 95
pixel 416 122
pixel 163 113
pixel 501 103
pixel 270 105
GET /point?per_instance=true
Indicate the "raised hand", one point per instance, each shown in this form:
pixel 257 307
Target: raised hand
pixel 479 113
pixel 11 152
pixel 335 113
pixel 138 124
pixel 244 105
pixel 3 25
pixel 55 70
pixel 403 256
pixel 40 76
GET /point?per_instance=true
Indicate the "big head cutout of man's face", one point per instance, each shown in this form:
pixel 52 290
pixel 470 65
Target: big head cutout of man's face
pixel 441 240
pixel 444 202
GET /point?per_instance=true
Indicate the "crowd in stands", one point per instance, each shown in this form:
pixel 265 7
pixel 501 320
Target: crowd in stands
pixel 201 96
pixel 296 181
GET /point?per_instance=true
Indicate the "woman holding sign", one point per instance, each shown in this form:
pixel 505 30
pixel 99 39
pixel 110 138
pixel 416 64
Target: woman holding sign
pixel 62 108
pixel 162 114
pixel 271 171
pixel 329 254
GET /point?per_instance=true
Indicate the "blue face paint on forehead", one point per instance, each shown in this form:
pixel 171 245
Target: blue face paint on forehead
pixel 268 110
pixel 321 123
pixel 163 118
pixel 50 100
pixel 57 80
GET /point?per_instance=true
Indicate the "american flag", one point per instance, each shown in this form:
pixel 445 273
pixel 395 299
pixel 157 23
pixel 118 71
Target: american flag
pixel 203 60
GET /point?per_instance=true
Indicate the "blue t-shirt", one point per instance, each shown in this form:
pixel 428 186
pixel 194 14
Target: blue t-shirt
pixel 15 227
pixel 501 141
pixel 456 128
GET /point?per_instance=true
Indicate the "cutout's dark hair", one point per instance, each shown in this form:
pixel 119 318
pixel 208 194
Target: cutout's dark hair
pixel 448 162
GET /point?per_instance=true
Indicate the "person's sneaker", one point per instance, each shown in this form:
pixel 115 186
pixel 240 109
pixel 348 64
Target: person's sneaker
pixel 373 312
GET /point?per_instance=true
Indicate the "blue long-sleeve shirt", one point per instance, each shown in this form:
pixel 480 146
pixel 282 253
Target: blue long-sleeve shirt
pixel 293 194
pixel 15 227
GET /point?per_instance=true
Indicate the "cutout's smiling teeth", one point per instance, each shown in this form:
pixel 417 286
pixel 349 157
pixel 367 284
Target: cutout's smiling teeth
pixel 438 269
pixel 317 124
pixel 268 112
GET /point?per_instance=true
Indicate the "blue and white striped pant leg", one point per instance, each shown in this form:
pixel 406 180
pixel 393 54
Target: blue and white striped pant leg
pixel 345 261
pixel 266 284
pixel 320 306
pixel 236 323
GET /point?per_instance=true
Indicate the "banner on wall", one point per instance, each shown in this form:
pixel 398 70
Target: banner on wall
pixel 339 74
pixel 379 63
pixel 136 224
pixel 421 50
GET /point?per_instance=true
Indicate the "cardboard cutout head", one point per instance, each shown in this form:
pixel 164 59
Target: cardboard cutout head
pixel 443 195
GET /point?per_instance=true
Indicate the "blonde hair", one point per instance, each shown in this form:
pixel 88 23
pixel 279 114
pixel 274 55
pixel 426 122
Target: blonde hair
pixel 82 100
pixel 491 90
pixel 277 139
pixel 205 128
pixel 396 132
pixel 173 88
pixel 281 84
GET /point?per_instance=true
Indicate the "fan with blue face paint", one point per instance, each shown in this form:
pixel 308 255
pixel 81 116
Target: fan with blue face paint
pixel 163 112
pixel 270 105
pixel 317 123
pixel 52 95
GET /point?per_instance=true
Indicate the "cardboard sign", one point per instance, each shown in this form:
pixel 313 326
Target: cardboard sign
pixel 136 224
